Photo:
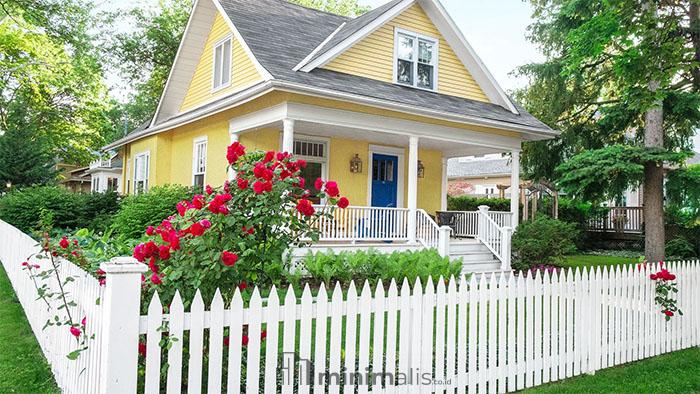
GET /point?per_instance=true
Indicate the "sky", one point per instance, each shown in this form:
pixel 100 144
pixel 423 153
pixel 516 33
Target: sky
pixel 496 29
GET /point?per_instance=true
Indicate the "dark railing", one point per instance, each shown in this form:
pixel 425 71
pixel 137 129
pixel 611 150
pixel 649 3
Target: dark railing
pixel 619 219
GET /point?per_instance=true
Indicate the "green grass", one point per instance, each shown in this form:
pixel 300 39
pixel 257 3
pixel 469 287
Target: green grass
pixel 591 260
pixel 23 368
pixel 676 373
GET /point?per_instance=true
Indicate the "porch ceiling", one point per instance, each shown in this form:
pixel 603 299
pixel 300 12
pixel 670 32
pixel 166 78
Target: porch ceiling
pixel 376 129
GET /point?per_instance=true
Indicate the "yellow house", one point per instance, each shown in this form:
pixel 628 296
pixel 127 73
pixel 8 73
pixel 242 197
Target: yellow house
pixel 378 103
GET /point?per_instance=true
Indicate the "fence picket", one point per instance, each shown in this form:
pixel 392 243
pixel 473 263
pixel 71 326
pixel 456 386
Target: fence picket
pixel 546 327
pixel 153 337
pixel 177 322
pixel 320 340
pixel 472 345
pixel 426 335
pixel 451 339
pixel 440 306
pixel 252 377
pixel 305 340
pixel 378 336
pixel 194 370
pixel 365 308
pixel 289 344
pixel 336 309
pixel 216 337
pixel 272 328
pixel 391 337
pixel 235 346
pixel 350 347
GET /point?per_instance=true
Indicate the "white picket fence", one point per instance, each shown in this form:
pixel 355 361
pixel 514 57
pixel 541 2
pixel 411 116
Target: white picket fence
pixel 497 335
pixel 72 376
pixel 477 335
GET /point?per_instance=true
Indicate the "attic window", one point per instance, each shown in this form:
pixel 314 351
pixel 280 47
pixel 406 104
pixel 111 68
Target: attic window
pixel 222 63
pixel 416 60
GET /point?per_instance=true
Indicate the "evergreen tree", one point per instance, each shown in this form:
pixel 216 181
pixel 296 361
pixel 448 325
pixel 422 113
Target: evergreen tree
pixel 24 160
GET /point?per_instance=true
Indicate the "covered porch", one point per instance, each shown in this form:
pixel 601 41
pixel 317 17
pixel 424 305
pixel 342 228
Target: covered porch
pixel 394 171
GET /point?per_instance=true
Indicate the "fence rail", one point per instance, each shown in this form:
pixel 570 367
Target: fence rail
pixel 619 219
pixel 83 374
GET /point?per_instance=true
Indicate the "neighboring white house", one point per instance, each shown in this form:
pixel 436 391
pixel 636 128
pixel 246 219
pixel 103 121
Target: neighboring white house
pixel 106 174
pixel 479 176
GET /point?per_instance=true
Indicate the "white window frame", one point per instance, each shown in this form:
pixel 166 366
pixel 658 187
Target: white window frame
pixel 220 44
pixel 195 143
pixel 314 159
pixel 146 156
pixel 435 60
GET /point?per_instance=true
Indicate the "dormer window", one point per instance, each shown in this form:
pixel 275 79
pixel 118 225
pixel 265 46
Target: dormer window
pixel 416 60
pixel 222 63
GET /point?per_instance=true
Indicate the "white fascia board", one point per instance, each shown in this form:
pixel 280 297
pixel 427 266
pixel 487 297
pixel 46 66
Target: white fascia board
pixel 454 37
pixel 377 123
pixel 334 52
pixel 262 70
pixel 257 119
pixel 175 61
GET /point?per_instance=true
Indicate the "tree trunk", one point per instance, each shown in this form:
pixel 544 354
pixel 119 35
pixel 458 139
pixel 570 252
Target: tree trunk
pixel 655 236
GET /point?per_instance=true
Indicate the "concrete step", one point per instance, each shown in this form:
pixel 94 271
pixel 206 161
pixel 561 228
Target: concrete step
pixel 481 266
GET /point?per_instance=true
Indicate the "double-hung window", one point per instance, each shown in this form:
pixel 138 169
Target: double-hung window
pixel 416 60
pixel 315 152
pixel 199 163
pixel 141 171
pixel 222 63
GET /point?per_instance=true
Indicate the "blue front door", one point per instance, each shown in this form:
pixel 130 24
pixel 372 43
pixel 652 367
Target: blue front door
pixel 385 170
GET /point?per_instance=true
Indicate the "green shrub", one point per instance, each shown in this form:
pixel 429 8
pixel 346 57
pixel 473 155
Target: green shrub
pixel 680 247
pixel 372 265
pixel 543 241
pixel 148 209
pixel 24 208
pixel 468 203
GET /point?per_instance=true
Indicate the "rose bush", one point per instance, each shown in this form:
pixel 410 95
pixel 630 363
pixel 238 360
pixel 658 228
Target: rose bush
pixel 665 288
pixel 237 235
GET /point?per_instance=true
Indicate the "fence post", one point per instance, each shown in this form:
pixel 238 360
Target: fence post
pixel 506 248
pixel 483 214
pixel 444 241
pixel 120 325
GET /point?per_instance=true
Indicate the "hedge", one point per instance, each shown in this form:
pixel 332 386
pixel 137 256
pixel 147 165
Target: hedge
pixel 468 203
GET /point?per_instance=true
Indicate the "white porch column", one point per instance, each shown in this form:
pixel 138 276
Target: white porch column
pixel 515 188
pixel 288 135
pixel 412 187
pixel 443 191
pixel 233 138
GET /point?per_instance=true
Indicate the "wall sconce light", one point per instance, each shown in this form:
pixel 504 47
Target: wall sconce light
pixel 421 169
pixel 356 164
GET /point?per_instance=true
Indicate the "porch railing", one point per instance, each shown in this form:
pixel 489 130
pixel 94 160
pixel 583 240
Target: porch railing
pixel 496 238
pixel 466 223
pixel 364 224
pixel 427 231
pixel 619 219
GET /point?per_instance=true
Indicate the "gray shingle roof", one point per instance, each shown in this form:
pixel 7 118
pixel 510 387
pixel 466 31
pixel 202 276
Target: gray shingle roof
pixel 281 35
pixel 352 26
pixel 477 167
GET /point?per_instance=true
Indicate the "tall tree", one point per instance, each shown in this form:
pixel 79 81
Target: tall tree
pixel 24 160
pixel 51 82
pixel 618 73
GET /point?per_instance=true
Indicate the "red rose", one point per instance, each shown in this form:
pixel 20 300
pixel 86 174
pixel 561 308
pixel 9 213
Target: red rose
pixel 305 207
pixel 223 210
pixel 226 341
pixel 208 190
pixel 234 151
pixel 301 163
pixel 653 277
pixel 205 223
pixel 229 259
pixel 63 242
pixel 263 335
pixel 269 155
pixel 332 189
pixel 142 349
pixel 318 184
pixel 245 340
pixel 164 252
pixel 196 229
pixel 258 187
pixel 150 230
pixel 75 331
pixel 198 201
pixel 668 313
pixel 282 155
pixel 242 183
pixel 174 241
pixel 182 207
pixel 152 265
pixel 301 183
pixel 155 279
pixel 343 202
pixel 249 231
pixel 242 286
pixel 138 253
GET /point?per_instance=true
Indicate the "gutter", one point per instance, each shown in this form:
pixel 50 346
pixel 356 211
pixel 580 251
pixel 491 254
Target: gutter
pixel 291 87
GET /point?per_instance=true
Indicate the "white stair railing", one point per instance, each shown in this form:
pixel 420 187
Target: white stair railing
pixel 427 231
pixel 496 238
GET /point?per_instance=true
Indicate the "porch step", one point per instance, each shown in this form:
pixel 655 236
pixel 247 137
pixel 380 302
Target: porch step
pixel 476 257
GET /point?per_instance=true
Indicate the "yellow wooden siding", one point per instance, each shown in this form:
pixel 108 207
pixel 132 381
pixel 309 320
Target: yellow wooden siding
pixel 373 57
pixel 243 71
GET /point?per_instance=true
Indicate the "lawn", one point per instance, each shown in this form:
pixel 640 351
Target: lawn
pixel 23 368
pixel 676 373
pixel 591 260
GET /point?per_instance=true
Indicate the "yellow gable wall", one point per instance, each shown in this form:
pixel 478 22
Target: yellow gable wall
pixel 373 57
pixel 243 70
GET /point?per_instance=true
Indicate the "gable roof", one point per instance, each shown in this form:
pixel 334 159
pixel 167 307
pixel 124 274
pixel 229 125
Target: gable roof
pixel 278 35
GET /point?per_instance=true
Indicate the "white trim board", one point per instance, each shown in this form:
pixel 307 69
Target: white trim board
pixel 400 174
